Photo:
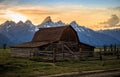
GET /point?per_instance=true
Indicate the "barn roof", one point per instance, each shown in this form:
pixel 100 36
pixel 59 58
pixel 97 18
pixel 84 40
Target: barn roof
pixel 31 44
pixel 49 34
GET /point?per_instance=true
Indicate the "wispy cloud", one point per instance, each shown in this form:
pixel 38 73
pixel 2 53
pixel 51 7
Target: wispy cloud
pixel 36 10
pixel 114 21
pixel 116 8
pixel 87 16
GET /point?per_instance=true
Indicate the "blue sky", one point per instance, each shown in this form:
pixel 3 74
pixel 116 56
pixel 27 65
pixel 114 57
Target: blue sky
pixel 90 3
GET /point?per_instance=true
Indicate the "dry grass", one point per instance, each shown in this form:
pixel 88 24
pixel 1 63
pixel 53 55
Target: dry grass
pixel 32 67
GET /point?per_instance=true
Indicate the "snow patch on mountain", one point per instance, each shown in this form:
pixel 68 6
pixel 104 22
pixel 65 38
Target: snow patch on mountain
pixel 49 23
pixel 18 32
pixel 93 38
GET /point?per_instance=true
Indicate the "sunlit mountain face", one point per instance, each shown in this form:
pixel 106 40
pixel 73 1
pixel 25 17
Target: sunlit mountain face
pixel 94 14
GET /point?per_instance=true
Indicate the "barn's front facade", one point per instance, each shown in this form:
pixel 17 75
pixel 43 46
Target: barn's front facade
pixel 59 39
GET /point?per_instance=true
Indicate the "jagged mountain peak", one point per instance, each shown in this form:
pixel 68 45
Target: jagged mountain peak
pixel 9 23
pixel 18 32
pixel 60 23
pixel 28 22
pixel 47 19
pixel 74 22
pixel 47 23
pixel 20 23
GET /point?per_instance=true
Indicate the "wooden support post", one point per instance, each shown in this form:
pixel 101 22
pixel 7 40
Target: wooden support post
pixel 4 46
pixel 71 52
pixel 117 54
pixel 62 45
pixel 80 55
pixel 115 49
pixel 111 47
pixel 100 54
pixel 105 49
pixel 30 52
pixel 54 55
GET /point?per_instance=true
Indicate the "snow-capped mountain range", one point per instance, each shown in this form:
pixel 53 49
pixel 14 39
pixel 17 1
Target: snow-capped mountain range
pixel 111 32
pixel 93 38
pixel 15 33
pixel 49 23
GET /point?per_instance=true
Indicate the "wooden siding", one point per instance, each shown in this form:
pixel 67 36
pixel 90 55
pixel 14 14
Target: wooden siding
pixel 69 35
pixel 23 52
pixel 85 47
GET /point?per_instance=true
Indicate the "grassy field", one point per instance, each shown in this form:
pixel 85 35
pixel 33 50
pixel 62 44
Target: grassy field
pixel 32 67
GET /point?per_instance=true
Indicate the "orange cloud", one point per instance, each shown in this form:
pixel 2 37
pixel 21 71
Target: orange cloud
pixel 86 16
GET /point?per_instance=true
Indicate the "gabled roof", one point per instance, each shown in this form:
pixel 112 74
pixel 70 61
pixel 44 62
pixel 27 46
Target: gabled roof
pixel 49 34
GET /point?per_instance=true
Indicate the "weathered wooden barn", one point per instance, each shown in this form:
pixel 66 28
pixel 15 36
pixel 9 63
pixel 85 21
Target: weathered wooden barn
pixel 59 39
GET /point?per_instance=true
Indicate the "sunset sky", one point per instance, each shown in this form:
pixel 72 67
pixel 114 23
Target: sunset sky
pixel 94 14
